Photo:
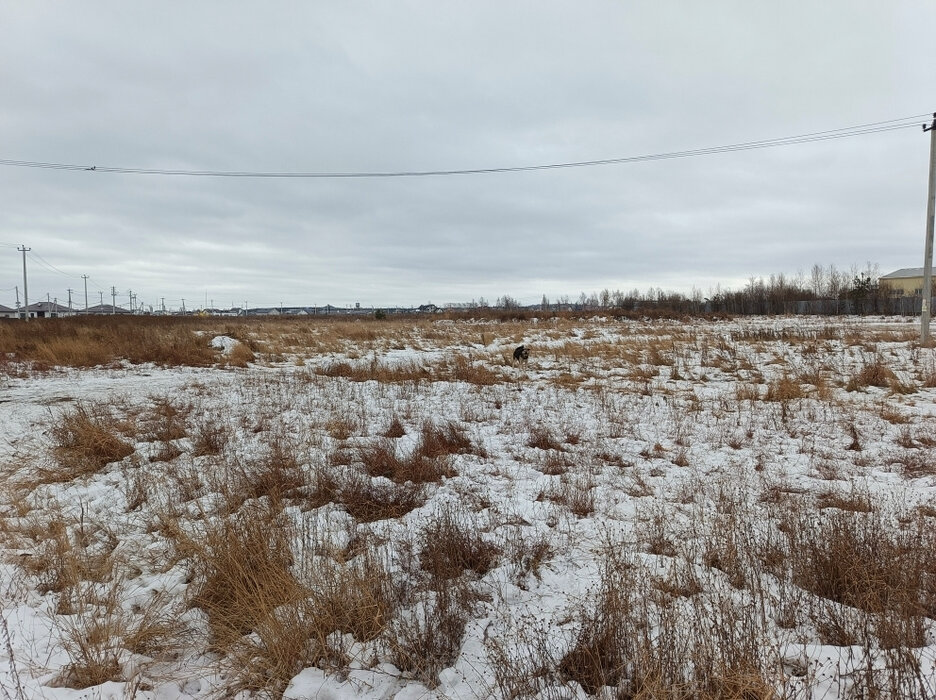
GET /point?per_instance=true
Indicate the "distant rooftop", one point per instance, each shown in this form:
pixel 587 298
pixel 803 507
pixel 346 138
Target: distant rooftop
pixel 903 273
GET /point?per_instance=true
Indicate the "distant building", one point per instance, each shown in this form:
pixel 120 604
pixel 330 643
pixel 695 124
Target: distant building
pixel 7 312
pixel 105 310
pixel 48 309
pixel 907 281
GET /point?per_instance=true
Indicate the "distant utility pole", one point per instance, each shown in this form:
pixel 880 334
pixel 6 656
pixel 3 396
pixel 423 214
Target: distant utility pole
pixel 69 298
pixel 162 301
pixel 23 249
pixel 130 294
pixel 113 300
pixel 85 278
pixel 928 253
pixel 183 307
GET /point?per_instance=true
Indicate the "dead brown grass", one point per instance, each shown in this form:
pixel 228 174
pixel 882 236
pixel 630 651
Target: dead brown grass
pixel 856 559
pixel 368 501
pixel 102 340
pixel 85 441
pixel 784 389
pixel 452 544
pixel 429 462
pixel 873 373
pixel 242 566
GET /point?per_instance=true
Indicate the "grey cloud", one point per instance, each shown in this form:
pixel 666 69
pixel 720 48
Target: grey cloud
pixel 419 85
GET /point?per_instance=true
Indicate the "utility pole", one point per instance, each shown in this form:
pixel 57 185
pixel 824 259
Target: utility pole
pixel 113 300
pixel 928 253
pixel 162 302
pixel 23 249
pixel 183 307
pixel 85 278
pixel 69 298
pixel 130 294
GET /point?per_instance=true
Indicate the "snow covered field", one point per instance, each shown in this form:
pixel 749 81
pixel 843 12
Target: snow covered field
pixel 645 509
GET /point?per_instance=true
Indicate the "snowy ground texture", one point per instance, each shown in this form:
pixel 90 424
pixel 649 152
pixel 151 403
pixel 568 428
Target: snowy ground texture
pixel 657 509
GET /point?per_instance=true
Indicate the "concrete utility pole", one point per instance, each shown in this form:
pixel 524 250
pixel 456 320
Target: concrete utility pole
pixel 24 250
pixel 113 300
pixel 85 278
pixel 69 298
pixel 928 253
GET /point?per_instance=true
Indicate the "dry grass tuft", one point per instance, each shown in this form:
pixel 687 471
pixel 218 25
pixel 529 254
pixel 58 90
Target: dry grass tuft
pixel 873 373
pixel 242 565
pixel 453 544
pixel 429 462
pixel 395 429
pixel 542 438
pixel 857 559
pixel 575 493
pixel 369 501
pixel 277 476
pixel 85 441
pixel 100 634
pixel 442 440
pixel 784 389
pixel 427 638
pixel 240 355
pixel 209 437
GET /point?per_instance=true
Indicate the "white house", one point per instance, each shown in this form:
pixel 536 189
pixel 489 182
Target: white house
pixel 49 309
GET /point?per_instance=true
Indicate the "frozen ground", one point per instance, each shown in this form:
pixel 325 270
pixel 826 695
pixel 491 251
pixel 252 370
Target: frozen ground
pixel 679 479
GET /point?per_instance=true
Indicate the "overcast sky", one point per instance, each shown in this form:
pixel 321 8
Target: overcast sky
pixel 429 85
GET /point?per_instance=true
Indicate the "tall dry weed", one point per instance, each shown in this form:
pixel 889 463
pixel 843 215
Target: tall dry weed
pixel 85 441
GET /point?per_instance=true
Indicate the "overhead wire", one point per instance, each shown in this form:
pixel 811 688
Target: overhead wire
pixel 35 257
pixel 840 133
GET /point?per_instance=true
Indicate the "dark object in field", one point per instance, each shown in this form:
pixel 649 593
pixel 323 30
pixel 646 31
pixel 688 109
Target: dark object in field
pixel 521 354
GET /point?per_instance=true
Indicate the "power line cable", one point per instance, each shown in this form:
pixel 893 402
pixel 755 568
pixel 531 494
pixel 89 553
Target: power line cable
pixel 35 257
pixel 844 132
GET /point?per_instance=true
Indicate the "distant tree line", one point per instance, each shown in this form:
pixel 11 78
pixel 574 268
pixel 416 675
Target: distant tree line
pixel 823 290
